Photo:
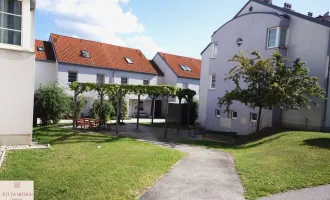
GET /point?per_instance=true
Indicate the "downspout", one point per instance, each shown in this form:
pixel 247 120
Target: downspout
pixel 327 87
pixel 113 76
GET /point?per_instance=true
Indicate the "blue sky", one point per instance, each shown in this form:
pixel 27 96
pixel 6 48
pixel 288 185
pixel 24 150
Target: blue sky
pixel 180 27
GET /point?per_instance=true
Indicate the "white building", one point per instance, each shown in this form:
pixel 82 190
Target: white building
pixel 262 26
pixel 95 62
pixel 16 70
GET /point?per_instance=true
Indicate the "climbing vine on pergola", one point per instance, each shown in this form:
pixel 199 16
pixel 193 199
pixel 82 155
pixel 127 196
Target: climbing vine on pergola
pixel 111 90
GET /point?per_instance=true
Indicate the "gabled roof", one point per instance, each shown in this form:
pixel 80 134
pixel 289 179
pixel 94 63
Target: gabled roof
pixel 160 73
pixel 47 54
pixel 68 50
pixel 174 62
pixel 288 11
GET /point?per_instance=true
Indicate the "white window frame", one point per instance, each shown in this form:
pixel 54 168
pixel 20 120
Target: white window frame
pixel 69 76
pixel 215 46
pixel 217 113
pixel 103 81
pixel 21 28
pixel 232 115
pixel 147 81
pixel 121 80
pixel 129 60
pixel 278 37
pixel 253 120
pixel 215 81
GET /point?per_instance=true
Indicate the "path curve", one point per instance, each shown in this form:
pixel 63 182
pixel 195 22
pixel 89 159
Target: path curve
pixel 201 174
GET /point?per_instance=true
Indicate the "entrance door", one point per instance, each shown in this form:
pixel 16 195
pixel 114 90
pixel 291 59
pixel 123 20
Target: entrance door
pixel 158 108
pixel 141 106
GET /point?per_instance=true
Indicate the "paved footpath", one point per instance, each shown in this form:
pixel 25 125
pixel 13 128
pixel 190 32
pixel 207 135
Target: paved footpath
pixel 315 193
pixel 202 174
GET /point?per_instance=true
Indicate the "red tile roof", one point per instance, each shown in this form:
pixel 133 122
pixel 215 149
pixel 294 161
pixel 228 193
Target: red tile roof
pixel 174 61
pixel 47 54
pixel 68 50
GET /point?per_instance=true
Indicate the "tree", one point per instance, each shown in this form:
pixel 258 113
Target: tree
pixel 78 89
pixel 51 103
pixel 180 93
pixel 189 97
pixel 271 82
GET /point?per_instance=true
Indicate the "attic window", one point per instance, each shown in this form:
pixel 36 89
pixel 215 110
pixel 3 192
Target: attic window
pixel 185 68
pixel 41 49
pixel 85 54
pixel 128 60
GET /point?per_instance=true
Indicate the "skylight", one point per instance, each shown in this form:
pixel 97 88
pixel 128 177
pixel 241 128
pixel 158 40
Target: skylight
pixel 40 49
pixel 128 60
pixel 185 68
pixel 85 54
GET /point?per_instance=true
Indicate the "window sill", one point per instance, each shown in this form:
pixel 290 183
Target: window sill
pixel 217 116
pixel 234 118
pixel 14 48
pixel 254 121
pixel 211 88
pixel 277 48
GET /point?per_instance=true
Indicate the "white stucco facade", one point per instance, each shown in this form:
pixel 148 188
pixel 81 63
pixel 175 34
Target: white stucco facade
pixel 46 73
pixel 305 39
pixel 17 72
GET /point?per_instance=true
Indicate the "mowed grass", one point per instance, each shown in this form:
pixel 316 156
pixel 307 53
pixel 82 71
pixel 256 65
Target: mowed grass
pixel 74 168
pixel 285 161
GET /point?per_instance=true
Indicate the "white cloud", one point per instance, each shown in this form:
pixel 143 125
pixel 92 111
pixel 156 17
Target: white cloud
pixel 100 20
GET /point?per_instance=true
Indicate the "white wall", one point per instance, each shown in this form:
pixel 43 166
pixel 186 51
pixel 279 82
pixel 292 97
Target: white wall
pixel 204 86
pixel 193 84
pixel 45 73
pixel 170 77
pixel 16 90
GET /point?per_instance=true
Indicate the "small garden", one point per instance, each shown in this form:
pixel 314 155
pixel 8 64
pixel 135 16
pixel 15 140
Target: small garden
pixel 88 166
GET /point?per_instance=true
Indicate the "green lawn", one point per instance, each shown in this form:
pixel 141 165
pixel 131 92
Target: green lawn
pixel 74 168
pixel 281 162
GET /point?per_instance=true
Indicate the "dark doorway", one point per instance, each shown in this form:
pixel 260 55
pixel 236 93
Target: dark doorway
pixel 158 108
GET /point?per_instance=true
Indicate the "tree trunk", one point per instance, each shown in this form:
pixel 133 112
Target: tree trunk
pixel 259 118
pixel 118 112
pixel 138 113
pixel 178 129
pixel 152 110
pixel 74 117
pixel 101 107
pixel 166 114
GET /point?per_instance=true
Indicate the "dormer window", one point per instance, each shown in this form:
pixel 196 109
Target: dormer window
pixel 185 68
pixel 11 22
pixel 41 49
pixel 128 60
pixel 85 54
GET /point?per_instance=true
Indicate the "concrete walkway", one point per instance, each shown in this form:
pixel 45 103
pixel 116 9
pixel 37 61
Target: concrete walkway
pixel 202 174
pixel 315 193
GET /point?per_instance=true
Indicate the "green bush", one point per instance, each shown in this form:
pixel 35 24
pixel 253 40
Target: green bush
pixel 51 103
pixel 105 113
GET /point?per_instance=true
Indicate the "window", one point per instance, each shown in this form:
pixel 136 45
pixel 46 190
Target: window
pixel 217 113
pixel 11 22
pixel 234 115
pixel 145 82
pixel 276 37
pixel 253 117
pixel 85 54
pixel 213 79
pixel 124 80
pixel 128 60
pixel 185 85
pixel 72 76
pixel 185 68
pixel 41 49
pixel 215 50
pixel 100 79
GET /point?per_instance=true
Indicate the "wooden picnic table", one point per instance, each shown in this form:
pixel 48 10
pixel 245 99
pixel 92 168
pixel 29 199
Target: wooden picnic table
pixel 92 123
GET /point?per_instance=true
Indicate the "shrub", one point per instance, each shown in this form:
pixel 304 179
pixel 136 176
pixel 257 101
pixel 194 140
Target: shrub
pixel 105 113
pixel 81 103
pixel 51 103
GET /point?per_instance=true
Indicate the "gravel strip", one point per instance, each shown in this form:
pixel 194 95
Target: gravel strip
pixel 34 145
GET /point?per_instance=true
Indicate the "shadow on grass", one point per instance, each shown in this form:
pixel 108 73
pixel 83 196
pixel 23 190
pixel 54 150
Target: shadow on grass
pixel 264 136
pixel 318 142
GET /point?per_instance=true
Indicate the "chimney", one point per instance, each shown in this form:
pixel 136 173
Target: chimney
pixel 326 14
pixel 310 14
pixel 268 1
pixel 287 6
